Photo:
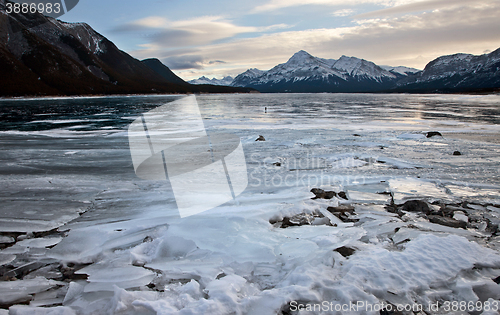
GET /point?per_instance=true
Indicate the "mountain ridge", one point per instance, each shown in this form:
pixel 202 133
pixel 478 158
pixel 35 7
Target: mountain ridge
pixel 306 73
pixel 446 74
pixel 41 56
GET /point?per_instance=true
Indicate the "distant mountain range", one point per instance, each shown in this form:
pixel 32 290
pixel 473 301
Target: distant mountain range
pixel 306 73
pixel 43 56
pixel 456 73
pixel 204 80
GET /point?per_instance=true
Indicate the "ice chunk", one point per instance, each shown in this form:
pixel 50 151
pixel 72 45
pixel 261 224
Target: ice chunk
pixel 411 136
pixel 459 215
pixel 74 290
pixel 12 292
pixel 367 197
pixel 6 258
pixel 6 239
pixel 407 188
pixel 39 242
pixel 406 234
pixel 29 310
pixel 104 277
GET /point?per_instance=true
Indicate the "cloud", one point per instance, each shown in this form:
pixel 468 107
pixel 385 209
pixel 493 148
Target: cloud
pixel 343 12
pixel 280 4
pixel 410 40
pixel 415 7
pixel 142 24
pixel 184 62
pixel 192 32
pixel 403 37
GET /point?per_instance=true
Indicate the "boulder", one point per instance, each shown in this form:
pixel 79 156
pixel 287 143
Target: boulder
pixel 344 213
pixel 260 138
pixel 345 251
pixel 321 194
pixel 457 153
pixel 342 195
pixel 416 206
pixel 431 134
pixel 447 221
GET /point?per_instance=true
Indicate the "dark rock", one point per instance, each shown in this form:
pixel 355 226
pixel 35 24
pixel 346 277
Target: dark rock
pixel 287 223
pixel 220 276
pixel 23 270
pixel 392 208
pixel 345 251
pixel 384 193
pixel 497 280
pixel 277 164
pixel 457 153
pixel 447 221
pixel 342 195
pixel 147 239
pixel 416 206
pixel 260 138
pixel 341 209
pixel 300 219
pixel 493 224
pixel 433 133
pixel 343 213
pixel 356 135
pixel 321 194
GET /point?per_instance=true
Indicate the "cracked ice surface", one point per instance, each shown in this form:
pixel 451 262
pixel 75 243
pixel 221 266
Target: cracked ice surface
pixel 83 235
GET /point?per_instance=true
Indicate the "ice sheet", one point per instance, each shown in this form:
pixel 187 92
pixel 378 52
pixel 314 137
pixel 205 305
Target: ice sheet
pixel 71 193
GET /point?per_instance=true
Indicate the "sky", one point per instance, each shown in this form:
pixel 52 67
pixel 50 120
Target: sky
pixel 216 38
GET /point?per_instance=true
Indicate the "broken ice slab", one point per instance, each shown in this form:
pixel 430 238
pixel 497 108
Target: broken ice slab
pixel 188 269
pixel 406 234
pixel 411 136
pixel 460 216
pixel 21 291
pixel 367 197
pixel 104 277
pixel 49 298
pixel 428 226
pixel 38 215
pixel 297 249
pixel 408 188
pixel 40 242
pixel 6 258
pixel 494 209
pixel 6 240
pixel 47 272
pixel 36 204
pixel 467 191
pixel 30 310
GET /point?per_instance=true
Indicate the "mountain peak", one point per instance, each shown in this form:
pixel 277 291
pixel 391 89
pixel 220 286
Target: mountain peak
pixel 301 56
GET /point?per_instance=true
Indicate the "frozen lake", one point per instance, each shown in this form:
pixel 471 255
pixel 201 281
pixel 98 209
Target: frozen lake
pixel 81 232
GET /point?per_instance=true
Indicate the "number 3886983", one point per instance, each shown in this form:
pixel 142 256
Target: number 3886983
pixel 47 8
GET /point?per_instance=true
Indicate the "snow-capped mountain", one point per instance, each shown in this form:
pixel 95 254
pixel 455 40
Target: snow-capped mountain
pixel 204 80
pixel 456 73
pixel 306 73
pixel 247 77
pixel 400 70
